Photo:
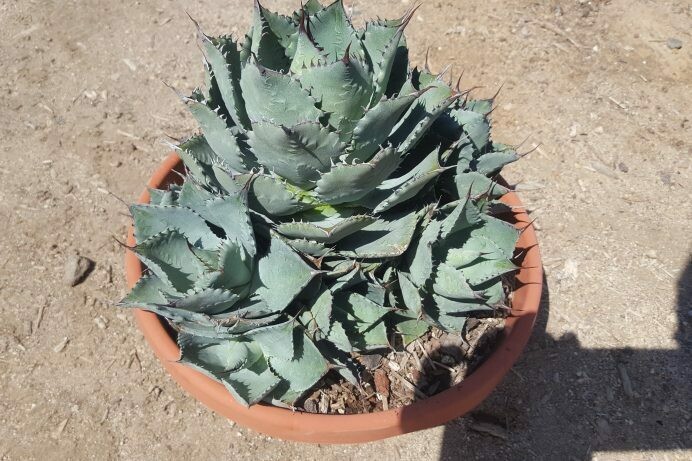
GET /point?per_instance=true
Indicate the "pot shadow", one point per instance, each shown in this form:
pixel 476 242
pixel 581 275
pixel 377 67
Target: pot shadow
pixel 563 401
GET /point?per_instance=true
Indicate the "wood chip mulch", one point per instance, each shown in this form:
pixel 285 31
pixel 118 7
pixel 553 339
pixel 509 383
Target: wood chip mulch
pixel 425 367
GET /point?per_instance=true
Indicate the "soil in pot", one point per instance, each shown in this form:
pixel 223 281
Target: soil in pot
pixel 429 365
pixel 433 363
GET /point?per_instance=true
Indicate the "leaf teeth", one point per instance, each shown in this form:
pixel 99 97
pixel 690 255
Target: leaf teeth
pixel 200 33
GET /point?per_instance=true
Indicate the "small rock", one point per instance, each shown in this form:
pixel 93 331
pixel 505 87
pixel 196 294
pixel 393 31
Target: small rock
pixel 674 43
pixel 101 322
pixel 130 64
pixel 61 345
pixel 573 130
pixel 625 379
pixel 77 269
pixel 156 390
pixel 603 428
pixel 570 270
pixel 651 254
pixel 310 406
pixel 603 169
pixel 461 30
pixel 59 429
pixel 622 167
pixel 665 178
pixel 490 429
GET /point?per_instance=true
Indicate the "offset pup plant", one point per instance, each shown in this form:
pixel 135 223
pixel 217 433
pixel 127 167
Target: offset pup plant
pixel 335 198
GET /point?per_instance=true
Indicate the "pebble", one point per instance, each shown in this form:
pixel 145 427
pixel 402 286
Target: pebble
pixel 603 169
pixel 77 269
pixel 573 130
pixel 625 379
pixel 665 177
pixel 603 428
pixel 570 270
pixel 674 43
pixel 61 345
pixel 101 322
pixel 130 64
pixel 490 429
pixel 622 167
pixel 310 406
pixel 59 429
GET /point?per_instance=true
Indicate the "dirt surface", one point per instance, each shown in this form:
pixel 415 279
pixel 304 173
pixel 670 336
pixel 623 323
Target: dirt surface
pixel 607 374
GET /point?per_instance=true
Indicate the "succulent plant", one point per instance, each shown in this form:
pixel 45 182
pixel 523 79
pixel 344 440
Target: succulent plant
pixel 335 198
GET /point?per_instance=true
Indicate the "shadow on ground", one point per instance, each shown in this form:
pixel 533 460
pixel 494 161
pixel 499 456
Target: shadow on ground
pixel 575 401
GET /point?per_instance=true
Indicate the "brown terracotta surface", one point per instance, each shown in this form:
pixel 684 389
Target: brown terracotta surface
pixel 286 424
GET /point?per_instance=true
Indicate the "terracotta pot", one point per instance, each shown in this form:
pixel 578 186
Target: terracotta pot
pixel 315 428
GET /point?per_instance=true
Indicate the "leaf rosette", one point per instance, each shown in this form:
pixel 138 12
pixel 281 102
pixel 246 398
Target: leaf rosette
pixel 334 197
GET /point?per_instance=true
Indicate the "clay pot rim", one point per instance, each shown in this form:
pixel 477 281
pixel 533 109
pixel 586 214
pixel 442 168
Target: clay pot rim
pixel 319 428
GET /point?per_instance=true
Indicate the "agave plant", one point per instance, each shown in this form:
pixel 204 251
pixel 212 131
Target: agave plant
pixel 336 198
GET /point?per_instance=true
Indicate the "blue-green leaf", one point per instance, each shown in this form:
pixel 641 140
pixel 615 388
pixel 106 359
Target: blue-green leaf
pixel 351 182
pixel 282 275
pixel 325 234
pixel 219 136
pixel 265 45
pixel 298 153
pixel 151 220
pixel 224 58
pixel 274 97
pixel 254 380
pixel 300 372
pixel 343 87
pixel 385 238
pixel 376 124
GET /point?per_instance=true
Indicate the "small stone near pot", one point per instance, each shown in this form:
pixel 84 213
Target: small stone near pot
pixel 77 269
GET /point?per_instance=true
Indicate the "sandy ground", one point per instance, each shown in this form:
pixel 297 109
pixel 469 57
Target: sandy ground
pixel 607 374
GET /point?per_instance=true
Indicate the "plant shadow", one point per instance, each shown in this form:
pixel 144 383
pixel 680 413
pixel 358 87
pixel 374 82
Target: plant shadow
pixel 564 401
